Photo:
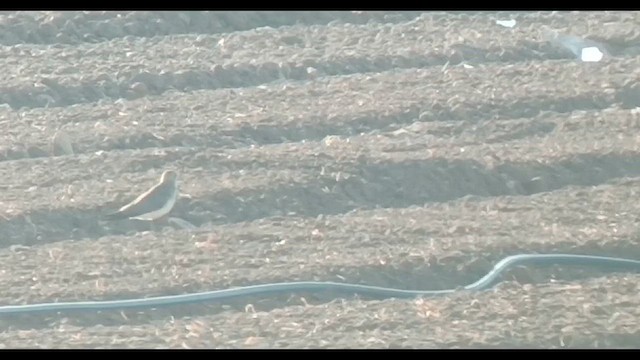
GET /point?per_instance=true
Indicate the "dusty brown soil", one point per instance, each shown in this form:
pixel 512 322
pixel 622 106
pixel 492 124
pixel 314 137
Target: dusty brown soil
pixel 401 149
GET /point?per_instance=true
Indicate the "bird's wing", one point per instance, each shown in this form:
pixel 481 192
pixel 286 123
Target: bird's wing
pixel 151 200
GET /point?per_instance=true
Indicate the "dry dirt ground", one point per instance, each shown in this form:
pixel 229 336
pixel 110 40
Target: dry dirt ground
pixel 401 149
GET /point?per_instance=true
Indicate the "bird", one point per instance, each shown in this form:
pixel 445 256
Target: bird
pixel 152 205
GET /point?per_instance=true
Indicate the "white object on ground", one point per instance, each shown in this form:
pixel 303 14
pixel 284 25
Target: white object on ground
pixel 584 49
pixel 591 54
pixel 506 23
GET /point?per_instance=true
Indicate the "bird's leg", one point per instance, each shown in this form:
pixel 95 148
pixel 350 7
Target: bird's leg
pixel 159 222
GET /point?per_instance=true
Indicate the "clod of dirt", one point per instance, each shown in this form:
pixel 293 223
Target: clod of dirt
pixel 61 144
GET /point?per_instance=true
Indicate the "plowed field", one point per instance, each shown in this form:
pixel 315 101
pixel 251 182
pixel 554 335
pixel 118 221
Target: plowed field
pixel 411 150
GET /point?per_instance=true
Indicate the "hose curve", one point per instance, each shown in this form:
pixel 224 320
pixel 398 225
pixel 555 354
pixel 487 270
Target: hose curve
pixel 486 282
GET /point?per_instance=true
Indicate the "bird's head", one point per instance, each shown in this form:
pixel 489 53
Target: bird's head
pixel 169 176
